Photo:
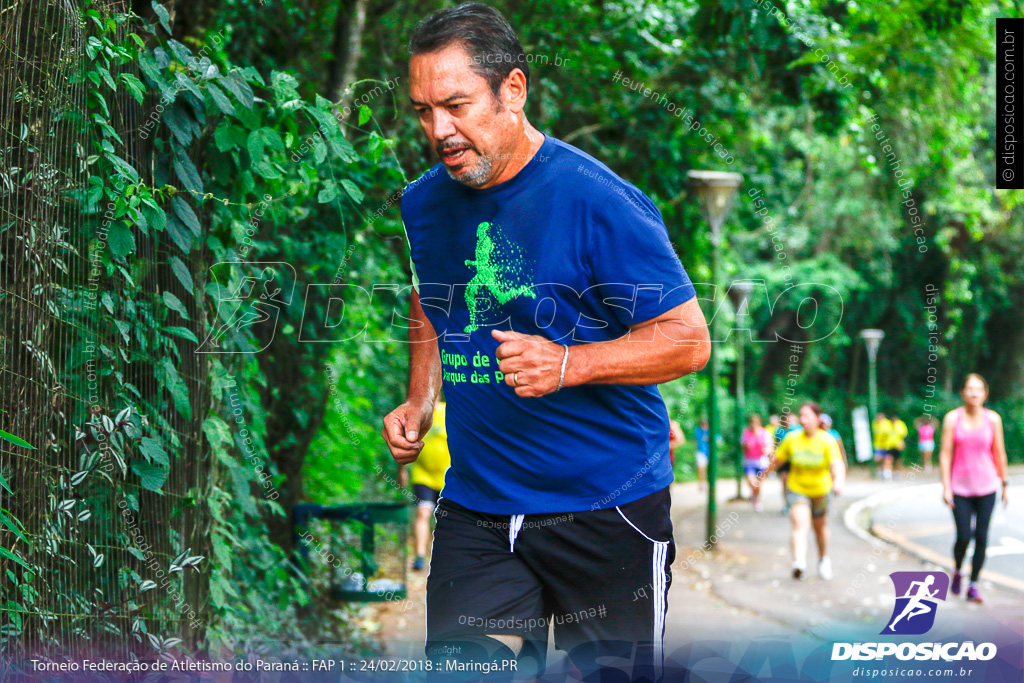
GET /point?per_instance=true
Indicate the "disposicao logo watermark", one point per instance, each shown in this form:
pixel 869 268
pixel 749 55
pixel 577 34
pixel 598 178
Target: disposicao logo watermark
pixel 917 600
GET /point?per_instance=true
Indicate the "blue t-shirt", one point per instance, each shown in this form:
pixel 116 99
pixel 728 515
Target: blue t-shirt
pixel 703 446
pixel 569 251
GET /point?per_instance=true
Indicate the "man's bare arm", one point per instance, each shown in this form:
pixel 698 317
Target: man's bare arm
pixel 674 344
pixel 405 425
pixel 670 346
pixel 424 356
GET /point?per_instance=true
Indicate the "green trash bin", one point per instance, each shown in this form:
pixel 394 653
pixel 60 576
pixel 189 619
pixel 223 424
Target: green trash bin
pixel 369 544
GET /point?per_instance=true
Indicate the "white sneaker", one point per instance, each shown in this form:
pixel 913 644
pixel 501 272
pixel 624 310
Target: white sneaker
pixel 825 569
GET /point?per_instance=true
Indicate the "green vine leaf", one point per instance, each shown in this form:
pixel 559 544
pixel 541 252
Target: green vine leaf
pixel 186 83
pixel 183 54
pixel 135 87
pixel 149 66
pixel 229 137
pixel 180 125
pixel 156 217
pixel 174 303
pixel 187 172
pixel 186 214
pixel 237 86
pixel 107 78
pixel 179 233
pixel 13 524
pixel 17 441
pixel 221 100
pixel 329 193
pixel 181 271
pixel 13 558
pixel 162 15
pixel 153 451
pixel 352 190
pixel 121 239
pixel 259 140
pixel 319 152
pixel 182 332
pixel 152 477
pixel 125 330
pixel 217 433
pixel 169 377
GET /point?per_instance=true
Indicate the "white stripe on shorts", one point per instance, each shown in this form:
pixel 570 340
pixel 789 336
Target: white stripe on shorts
pixel 660 555
pixel 659 584
pixel 515 523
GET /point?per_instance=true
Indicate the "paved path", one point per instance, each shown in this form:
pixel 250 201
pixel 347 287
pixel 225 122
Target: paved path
pixel 743 589
pixel 925 528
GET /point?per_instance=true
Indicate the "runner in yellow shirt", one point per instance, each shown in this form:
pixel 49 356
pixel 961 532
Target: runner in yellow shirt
pixel 816 471
pixel 427 479
pixel 894 448
pixel 881 428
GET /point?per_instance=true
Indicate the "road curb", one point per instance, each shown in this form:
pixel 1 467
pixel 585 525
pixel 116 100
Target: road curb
pixel 878 534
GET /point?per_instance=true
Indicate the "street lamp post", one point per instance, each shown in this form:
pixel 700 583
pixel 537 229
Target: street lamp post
pixel 716 191
pixel 740 293
pixel 872 340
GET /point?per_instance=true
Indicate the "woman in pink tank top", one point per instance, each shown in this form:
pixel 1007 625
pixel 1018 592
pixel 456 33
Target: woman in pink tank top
pixel 973 464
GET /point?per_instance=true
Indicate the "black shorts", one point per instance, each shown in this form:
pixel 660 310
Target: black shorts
pixel 896 453
pixel 784 467
pixel 600 577
pixel 425 496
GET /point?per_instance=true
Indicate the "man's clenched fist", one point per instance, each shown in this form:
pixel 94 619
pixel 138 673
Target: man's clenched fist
pixel 531 364
pixel 403 428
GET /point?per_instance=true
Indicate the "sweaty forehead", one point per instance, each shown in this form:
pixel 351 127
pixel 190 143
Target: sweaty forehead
pixel 441 74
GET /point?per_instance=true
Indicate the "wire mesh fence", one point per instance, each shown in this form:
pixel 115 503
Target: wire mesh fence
pixel 111 498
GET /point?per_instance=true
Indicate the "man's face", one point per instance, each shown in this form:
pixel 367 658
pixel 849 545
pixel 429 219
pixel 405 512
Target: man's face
pixel 471 131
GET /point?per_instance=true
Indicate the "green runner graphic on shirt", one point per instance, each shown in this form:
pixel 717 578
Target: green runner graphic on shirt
pixel 502 271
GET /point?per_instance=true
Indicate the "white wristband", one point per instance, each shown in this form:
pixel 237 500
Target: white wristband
pixel 561 377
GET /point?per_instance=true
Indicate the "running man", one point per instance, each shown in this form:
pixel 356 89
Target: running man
pixel 757 447
pixel 972 460
pixel 915 606
pixel 427 481
pixel 552 403
pixel 817 472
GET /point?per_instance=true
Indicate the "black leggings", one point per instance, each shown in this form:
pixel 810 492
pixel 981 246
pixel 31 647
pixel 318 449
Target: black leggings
pixel 964 508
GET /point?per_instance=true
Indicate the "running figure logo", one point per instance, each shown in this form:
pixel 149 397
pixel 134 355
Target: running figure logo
pixel 501 270
pixel 917 596
pixel 251 295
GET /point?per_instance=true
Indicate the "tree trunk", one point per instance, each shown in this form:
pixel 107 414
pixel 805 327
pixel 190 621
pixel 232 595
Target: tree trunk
pixel 347 49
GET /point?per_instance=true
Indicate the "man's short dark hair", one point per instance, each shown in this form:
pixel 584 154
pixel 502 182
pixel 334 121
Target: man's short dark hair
pixel 490 41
